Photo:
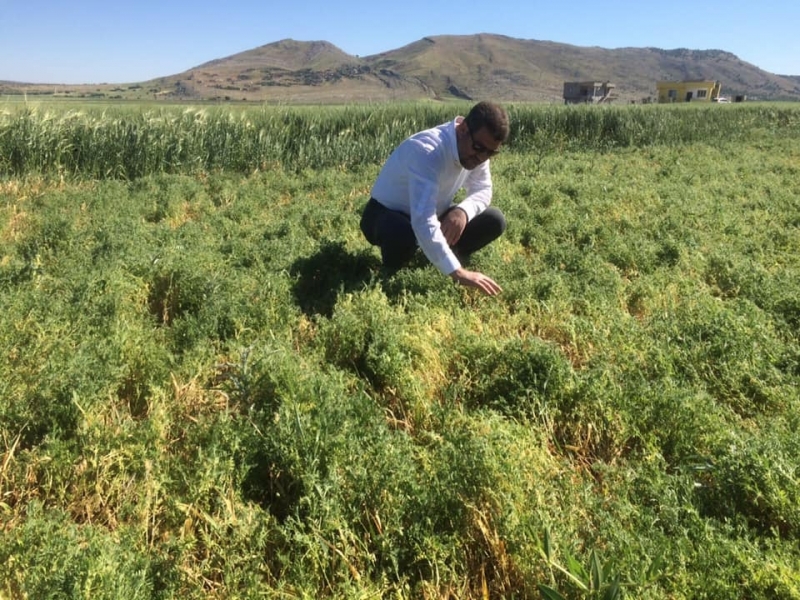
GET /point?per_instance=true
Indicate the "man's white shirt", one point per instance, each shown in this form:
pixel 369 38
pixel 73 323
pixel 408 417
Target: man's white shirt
pixel 421 178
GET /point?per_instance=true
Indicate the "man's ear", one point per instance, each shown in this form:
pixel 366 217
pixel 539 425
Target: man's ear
pixel 462 130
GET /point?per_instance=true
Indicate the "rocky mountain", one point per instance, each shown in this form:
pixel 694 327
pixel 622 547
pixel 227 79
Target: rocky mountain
pixel 441 67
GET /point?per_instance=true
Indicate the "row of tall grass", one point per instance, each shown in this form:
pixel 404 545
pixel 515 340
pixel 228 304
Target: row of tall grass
pixel 130 142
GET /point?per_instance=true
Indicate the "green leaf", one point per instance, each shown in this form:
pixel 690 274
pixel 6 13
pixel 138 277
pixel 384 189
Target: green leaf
pixel 613 591
pixel 576 579
pixel 655 568
pixel 596 570
pixel 548 548
pixel 549 593
pixel 577 571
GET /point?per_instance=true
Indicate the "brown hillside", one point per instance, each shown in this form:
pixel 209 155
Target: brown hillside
pixel 513 69
pixel 440 67
pixel 289 55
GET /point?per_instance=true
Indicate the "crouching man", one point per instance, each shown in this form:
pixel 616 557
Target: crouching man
pixel 412 201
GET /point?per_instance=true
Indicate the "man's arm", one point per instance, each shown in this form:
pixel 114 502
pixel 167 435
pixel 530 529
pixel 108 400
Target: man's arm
pixel 423 190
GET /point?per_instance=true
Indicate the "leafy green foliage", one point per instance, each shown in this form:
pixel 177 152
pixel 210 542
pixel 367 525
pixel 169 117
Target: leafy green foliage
pixel 209 388
pixel 76 562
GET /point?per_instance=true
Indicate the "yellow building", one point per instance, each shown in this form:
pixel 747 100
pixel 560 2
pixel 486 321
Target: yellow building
pixel 687 91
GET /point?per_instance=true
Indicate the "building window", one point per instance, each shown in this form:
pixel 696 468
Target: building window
pixel 672 94
pixel 701 93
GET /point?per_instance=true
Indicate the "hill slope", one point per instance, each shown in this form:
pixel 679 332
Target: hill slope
pixel 512 69
pixel 442 67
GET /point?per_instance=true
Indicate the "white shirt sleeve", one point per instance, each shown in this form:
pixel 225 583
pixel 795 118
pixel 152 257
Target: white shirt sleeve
pixel 423 192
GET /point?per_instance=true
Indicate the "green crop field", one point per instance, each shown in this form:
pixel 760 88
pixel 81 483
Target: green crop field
pixel 210 389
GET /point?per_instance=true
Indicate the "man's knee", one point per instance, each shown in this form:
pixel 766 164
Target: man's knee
pixel 488 226
pixel 495 221
pixel 481 230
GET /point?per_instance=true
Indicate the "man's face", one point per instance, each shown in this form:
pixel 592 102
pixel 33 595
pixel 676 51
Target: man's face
pixel 475 147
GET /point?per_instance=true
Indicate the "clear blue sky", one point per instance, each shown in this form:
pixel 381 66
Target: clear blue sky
pixel 106 41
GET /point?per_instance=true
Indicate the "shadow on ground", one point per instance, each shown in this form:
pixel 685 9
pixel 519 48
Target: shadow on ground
pixel 331 271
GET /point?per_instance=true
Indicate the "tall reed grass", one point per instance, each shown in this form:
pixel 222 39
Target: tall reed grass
pixel 130 142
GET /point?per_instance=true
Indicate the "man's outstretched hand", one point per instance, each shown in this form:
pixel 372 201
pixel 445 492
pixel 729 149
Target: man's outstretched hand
pixel 477 280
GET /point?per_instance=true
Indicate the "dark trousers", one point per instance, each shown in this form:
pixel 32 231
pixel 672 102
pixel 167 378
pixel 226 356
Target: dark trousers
pixel 391 231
